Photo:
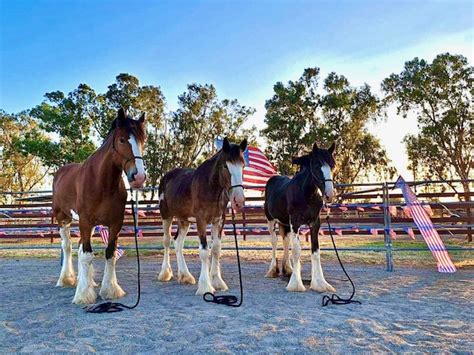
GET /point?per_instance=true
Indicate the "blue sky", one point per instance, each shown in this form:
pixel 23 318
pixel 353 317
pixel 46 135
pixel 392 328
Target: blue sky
pixel 242 48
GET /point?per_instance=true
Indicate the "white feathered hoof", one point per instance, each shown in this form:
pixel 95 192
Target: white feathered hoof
pixel 111 291
pixel 165 275
pixel 295 285
pixel 273 271
pixel 85 296
pixel 67 281
pixel 219 284
pixel 186 279
pixel 205 288
pixel 322 287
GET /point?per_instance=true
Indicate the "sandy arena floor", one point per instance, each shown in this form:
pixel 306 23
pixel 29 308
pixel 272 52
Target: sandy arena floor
pixel 407 310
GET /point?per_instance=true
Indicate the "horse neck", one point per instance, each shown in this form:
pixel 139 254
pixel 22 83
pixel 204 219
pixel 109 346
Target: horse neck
pixel 107 174
pixel 209 174
pixel 306 182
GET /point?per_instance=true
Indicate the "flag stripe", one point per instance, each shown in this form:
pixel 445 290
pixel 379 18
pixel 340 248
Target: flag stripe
pixel 423 222
pixel 258 169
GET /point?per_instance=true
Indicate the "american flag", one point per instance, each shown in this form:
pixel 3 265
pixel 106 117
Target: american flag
pixel 427 230
pixel 258 168
pixel 104 235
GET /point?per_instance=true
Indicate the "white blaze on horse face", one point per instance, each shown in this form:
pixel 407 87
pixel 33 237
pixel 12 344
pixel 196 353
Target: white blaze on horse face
pixel 237 197
pixel 328 185
pixel 139 178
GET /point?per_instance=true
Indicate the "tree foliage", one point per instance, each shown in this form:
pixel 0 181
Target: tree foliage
pixel 63 131
pixel 68 127
pixel 200 119
pixel 18 171
pixel 440 95
pixel 299 114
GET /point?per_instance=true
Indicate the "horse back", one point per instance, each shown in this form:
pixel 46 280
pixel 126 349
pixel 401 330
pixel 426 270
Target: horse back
pixel 175 193
pixel 276 205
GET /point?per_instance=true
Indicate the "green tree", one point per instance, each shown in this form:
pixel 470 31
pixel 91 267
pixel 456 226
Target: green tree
pixel 299 114
pixel 18 171
pixel 440 95
pixel 63 132
pixel 200 119
pixel 290 113
pixel 346 113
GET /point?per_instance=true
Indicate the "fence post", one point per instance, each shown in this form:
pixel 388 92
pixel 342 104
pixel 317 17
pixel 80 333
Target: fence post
pixel 386 229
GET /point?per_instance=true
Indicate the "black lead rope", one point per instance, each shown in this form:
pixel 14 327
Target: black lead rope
pixel 229 300
pixel 112 307
pixel 335 299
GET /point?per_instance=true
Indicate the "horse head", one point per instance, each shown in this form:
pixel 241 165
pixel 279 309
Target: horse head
pixel 128 141
pixel 233 163
pixel 320 163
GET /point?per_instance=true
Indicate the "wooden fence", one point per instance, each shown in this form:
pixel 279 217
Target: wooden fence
pixel 374 209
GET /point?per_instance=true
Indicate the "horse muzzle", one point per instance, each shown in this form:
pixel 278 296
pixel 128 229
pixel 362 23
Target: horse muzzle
pixel 237 201
pixel 328 197
pixel 137 180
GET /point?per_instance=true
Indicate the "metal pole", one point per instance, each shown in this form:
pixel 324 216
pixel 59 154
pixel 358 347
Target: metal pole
pixel 387 237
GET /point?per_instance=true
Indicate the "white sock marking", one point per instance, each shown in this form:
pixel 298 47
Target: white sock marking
pixel 137 153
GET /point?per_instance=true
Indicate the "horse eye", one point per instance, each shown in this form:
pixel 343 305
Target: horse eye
pixel 122 140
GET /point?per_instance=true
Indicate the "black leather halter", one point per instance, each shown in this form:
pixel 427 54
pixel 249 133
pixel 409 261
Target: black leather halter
pixel 233 186
pixel 127 159
pixel 317 180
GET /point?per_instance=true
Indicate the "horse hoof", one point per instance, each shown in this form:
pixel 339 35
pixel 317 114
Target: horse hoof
pixel 295 285
pixel 87 296
pixel 111 292
pixel 205 289
pixel 272 272
pixel 322 287
pixel 186 278
pixel 67 281
pixel 165 275
pixel 219 284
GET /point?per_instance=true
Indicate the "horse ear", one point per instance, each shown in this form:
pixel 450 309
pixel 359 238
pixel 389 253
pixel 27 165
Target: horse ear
pixel 226 145
pixel 142 117
pixel 315 148
pixel 243 145
pixel 332 148
pixel 300 160
pixel 121 116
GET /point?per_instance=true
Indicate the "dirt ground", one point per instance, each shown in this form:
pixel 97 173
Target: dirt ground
pixel 411 309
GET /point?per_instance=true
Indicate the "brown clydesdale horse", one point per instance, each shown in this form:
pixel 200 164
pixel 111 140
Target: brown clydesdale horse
pixel 95 193
pixel 201 194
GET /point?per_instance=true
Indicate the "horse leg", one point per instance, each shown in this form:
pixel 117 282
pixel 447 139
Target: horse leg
pixel 318 282
pixel 68 275
pixel 166 272
pixel 85 292
pixel 110 288
pixel 216 277
pixel 273 271
pixel 287 269
pixel 184 276
pixel 204 283
pixel 296 284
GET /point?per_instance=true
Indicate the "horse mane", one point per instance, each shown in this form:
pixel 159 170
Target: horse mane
pixel 323 156
pixel 131 125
